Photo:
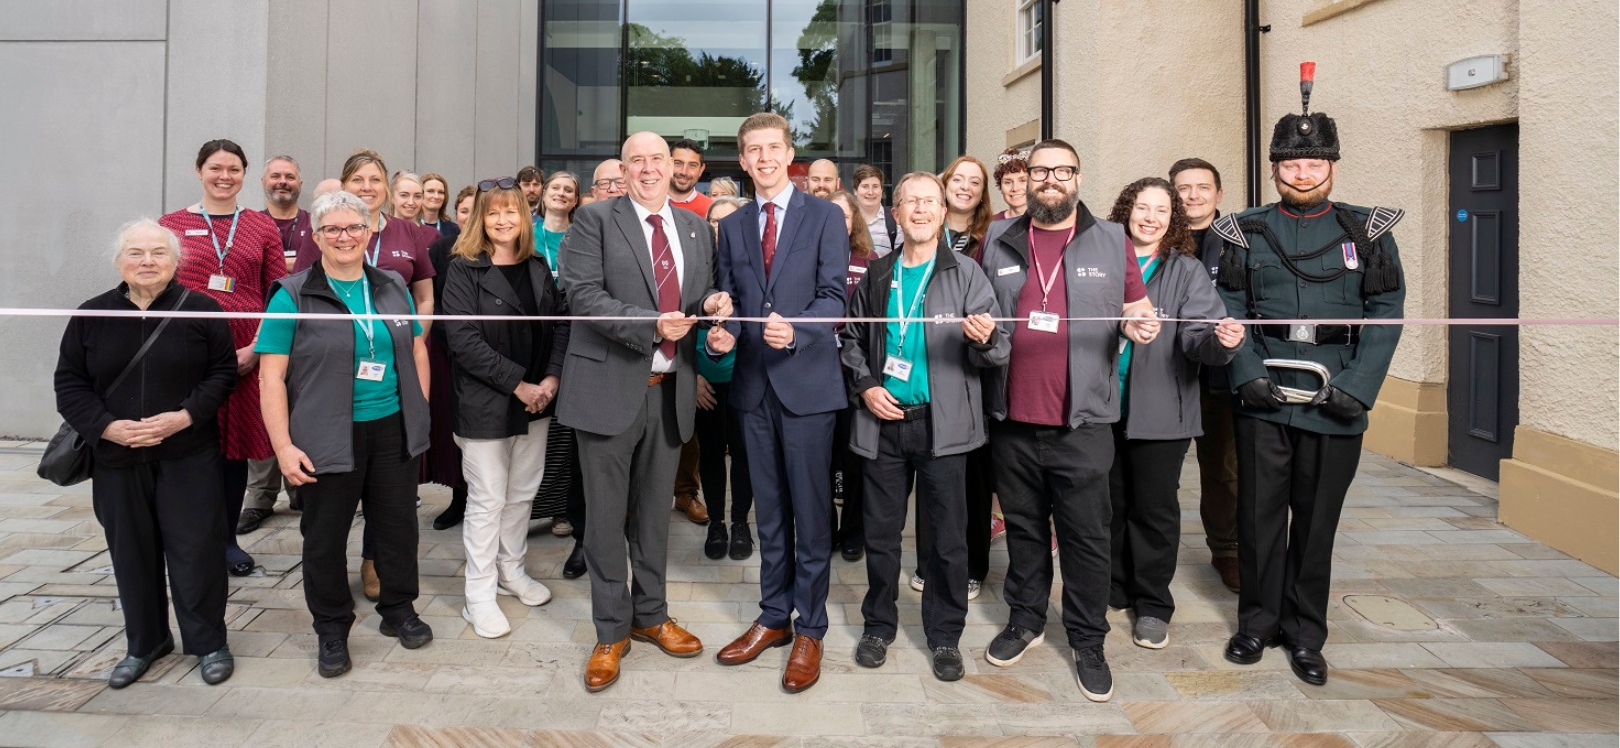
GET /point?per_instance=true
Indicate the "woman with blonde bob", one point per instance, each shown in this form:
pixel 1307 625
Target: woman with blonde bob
pixel 506 376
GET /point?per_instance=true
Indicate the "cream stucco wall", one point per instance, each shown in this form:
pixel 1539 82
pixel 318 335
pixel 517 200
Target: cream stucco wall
pixel 995 107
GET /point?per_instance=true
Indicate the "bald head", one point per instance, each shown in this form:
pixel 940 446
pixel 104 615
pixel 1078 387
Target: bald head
pixel 608 179
pixel 647 169
pixel 327 187
pixel 823 178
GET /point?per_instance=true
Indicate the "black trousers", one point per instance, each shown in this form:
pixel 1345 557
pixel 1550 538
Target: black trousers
pixel 576 495
pixel 1217 476
pixel 167 514
pixel 234 480
pixel 1059 475
pixel 1146 528
pixel 978 487
pixel 384 478
pixel 905 450
pixel 719 431
pixel 847 480
pixel 1286 565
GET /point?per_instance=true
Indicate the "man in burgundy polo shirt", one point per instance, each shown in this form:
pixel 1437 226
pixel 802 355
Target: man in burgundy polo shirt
pixel 1052 406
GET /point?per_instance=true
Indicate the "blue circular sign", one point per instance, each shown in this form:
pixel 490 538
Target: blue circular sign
pixel 1462 215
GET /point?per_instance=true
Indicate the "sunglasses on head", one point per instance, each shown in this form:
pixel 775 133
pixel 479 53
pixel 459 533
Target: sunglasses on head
pixel 504 183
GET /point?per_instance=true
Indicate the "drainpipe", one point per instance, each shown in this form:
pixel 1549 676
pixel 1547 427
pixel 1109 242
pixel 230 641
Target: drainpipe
pixel 1251 95
pixel 1048 67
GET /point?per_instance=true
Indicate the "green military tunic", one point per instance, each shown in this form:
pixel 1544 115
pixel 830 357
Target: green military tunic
pixel 1322 276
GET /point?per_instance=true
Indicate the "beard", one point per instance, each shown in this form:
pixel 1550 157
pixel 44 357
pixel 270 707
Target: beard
pixel 282 196
pixel 1040 211
pixel 1296 198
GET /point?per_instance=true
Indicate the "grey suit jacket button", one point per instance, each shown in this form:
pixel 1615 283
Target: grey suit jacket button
pixel 497 302
pixel 767 305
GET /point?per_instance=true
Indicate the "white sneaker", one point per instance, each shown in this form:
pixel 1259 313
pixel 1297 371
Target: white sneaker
pixel 487 620
pixel 526 590
pixel 917 582
pixel 974 587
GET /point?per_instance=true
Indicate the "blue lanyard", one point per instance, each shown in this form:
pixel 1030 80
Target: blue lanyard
pixel 230 239
pixel 375 253
pixel 916 298
pixel 366 327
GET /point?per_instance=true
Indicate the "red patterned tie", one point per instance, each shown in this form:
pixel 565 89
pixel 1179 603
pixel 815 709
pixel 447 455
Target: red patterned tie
pixel 665 277
pixel 767 241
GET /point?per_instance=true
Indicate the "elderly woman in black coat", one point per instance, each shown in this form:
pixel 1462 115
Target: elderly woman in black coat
pixel 157 477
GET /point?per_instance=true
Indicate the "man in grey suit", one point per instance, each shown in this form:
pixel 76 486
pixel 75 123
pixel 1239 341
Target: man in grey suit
pixel 646 269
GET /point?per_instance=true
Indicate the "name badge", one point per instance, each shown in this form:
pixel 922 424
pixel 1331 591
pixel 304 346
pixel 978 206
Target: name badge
pixel 1008 271
pixel 196 232
pixel 1043 321
pixel 898 368
pixel 371 371
pixel 217 282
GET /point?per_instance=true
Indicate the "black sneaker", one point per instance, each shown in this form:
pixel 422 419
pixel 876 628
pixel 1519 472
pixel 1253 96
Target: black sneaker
pixel 251 519
pixel 412 633
pixel 947 663
pixel 1010 645
pixel 742 541
pixel 1091 671
pixel 715 547
pixel 333 656
pixel 871 651
pixel 852 547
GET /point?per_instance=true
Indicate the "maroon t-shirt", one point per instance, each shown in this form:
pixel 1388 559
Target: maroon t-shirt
pixel 403 251
pixel 295 234
pixel 1038 372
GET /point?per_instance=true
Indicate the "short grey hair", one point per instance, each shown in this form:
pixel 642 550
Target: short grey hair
pixel 140 224
pixel 335 201
pixel 288 159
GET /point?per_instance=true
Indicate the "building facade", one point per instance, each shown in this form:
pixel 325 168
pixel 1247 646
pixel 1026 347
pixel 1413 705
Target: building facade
pixel 1488 176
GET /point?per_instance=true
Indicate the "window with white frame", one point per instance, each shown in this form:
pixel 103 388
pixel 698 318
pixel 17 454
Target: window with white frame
pixel 1029 30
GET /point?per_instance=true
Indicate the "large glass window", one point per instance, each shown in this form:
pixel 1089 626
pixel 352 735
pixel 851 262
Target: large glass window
pixel 859 81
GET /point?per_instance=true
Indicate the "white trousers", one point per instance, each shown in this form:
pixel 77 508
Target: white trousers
pixel 502 478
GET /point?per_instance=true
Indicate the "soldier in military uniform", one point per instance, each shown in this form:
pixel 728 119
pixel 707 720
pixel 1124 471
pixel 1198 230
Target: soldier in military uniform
pixel 1303 258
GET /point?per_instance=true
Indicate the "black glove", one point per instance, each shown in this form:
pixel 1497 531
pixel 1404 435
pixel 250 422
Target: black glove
pixel 1336 403
pixel 1260 394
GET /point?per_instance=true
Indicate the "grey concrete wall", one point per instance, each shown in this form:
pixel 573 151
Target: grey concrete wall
pixel 448 87
pixel 81 141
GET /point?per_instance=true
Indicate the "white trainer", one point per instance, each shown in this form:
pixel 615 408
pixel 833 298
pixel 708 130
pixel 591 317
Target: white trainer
pixel 526 590
pixel 487 620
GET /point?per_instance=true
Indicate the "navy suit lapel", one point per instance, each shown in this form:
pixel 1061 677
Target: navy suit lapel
pixel 625 215
pixel 789 235
pixel 754 253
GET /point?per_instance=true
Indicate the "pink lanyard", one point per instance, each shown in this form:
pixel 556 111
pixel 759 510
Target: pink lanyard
pixel 1047 281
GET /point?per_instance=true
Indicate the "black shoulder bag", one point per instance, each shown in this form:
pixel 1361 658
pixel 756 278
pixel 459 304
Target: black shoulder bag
pixel 68 460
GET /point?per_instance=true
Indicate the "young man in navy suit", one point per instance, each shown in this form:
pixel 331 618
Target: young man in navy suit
pixel 784 257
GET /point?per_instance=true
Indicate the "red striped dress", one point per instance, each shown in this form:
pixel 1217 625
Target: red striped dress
pixel 255 261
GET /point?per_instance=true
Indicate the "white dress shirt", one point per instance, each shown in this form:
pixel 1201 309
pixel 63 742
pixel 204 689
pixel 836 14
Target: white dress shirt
pixel 781 203
pixel 673 233
pixel 878 228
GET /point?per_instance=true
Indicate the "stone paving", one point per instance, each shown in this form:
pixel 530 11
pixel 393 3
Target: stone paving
pixel 1448 629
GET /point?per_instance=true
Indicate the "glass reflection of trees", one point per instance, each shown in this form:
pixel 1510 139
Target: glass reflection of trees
pixel 662 61
pixel 817 73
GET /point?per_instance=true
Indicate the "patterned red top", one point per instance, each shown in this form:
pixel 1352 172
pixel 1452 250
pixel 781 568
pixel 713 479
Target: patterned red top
pixel 254 261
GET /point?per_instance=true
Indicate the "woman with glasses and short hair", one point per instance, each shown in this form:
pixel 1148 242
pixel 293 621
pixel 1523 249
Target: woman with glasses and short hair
pixel 231 255
pixel 345 402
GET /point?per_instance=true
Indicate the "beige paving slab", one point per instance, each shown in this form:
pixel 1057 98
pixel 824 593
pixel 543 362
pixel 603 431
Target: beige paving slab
pixel 59 730
pixel 285 733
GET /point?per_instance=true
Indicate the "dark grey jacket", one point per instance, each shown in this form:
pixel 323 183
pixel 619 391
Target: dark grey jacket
pixel 485 355
pixel 320 369
pixel 1094 268
pixel 957 288
pixel 1164 374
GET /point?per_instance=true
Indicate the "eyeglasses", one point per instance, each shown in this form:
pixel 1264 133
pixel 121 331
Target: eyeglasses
pixel 920 202
pixel 1060 173
pixel 504 183
pixel 333 232
pixel 605 183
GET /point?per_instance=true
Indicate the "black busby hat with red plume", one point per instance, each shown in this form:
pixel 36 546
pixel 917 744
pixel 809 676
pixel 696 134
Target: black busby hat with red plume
pixel 1305 135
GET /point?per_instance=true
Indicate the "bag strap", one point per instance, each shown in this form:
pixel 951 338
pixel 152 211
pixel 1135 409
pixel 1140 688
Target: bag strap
pixel 148 344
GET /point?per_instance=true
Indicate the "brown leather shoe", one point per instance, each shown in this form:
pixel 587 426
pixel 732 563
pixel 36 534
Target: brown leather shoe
pixel 1228 569
pixel 602 670
pixel 754 641
pixel 804 665
pixel 369 583
pixel 693 507
pixel 670 637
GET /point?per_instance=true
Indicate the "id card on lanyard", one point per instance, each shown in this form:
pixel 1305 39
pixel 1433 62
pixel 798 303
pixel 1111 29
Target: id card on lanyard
pixel 220 281
pixel 1042 320
pixel 371 370
pixel 893 364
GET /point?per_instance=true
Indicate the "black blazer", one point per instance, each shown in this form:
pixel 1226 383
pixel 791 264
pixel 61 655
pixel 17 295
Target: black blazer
pixel 485 355
pixel 193 366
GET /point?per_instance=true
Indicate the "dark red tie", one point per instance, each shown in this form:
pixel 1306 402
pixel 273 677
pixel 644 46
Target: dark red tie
pixel 767 241
pixel 665 277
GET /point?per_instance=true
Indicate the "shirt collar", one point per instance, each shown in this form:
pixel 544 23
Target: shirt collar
pixel 780 201
pixel 667 214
